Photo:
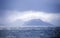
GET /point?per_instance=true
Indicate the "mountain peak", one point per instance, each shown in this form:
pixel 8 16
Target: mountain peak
pixel 37 22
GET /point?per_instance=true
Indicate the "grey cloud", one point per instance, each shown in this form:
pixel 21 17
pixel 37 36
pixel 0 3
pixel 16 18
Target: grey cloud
pixel 51 6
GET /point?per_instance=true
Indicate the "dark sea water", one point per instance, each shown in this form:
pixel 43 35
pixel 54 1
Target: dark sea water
pixel 31 32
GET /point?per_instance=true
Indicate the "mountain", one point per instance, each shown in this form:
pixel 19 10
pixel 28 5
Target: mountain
pixel 37 22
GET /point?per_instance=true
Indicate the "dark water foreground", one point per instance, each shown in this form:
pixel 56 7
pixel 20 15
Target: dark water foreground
pixel 31 32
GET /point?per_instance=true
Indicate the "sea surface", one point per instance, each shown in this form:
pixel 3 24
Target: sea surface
pixel 31 32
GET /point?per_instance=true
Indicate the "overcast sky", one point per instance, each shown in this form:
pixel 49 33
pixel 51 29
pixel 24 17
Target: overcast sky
pixel 46 10
pixel 37 5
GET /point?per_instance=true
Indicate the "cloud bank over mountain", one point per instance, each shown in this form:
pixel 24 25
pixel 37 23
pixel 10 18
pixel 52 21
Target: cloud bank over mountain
pixel 19 18
pixel 18 12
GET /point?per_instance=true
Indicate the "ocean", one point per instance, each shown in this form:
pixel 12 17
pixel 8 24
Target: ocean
pixel 31 32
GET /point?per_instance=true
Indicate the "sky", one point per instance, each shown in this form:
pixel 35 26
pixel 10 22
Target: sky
pixel 18 12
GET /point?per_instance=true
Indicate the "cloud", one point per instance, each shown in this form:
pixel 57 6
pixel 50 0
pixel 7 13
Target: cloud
pixel 13 16
pixel 37 5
